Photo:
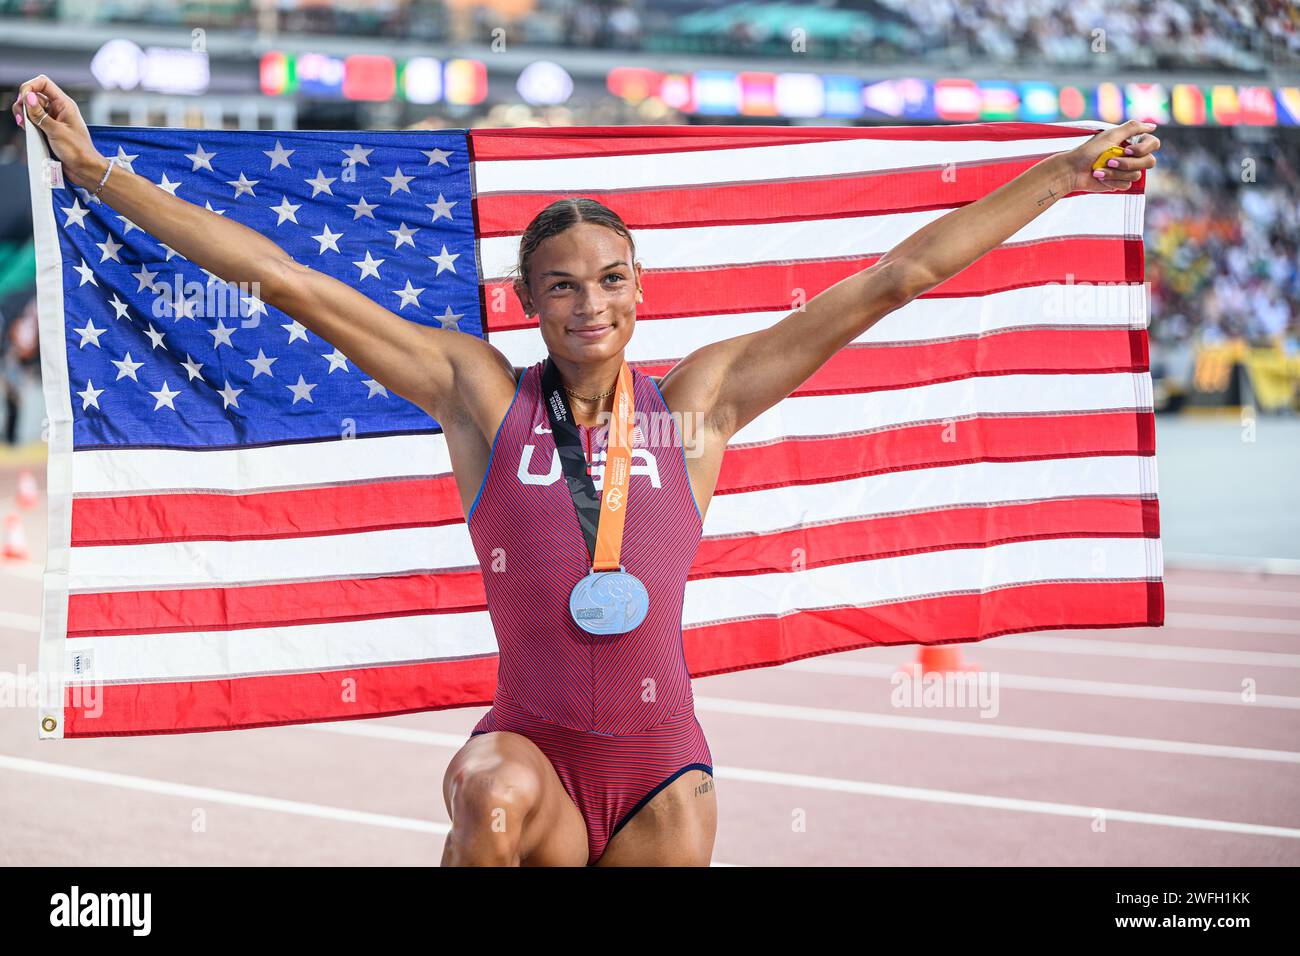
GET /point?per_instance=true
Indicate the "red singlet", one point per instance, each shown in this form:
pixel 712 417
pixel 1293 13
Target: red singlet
pixel 615 715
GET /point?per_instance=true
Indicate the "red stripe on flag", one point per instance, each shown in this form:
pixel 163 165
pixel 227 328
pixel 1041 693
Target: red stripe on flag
pixel 182 610
pixel 931 445
pixel 886 365
pixel 771 287
pixel 889 536
pixel 303 512
pixel 951 619
pixel 120 710
pixel 575 142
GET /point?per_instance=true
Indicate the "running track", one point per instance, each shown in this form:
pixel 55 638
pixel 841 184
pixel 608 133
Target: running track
pixel 1145 730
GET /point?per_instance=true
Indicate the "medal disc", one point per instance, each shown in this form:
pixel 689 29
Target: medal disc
pixel 609 602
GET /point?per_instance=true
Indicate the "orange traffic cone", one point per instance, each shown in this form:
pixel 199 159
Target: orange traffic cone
pixel 15 543
pixel 28 494
pixel 937 659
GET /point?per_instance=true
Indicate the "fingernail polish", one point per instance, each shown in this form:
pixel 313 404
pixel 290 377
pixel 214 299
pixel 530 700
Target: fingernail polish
pixel 1098 174
pixel 1113 163
pixel 1128 150
pixel 31 98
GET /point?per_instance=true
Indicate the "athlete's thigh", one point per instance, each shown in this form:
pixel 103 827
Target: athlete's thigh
pixel 553 832
pixel 676 828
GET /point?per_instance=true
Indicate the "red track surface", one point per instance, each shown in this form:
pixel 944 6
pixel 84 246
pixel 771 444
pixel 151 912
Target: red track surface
pixel 1086 741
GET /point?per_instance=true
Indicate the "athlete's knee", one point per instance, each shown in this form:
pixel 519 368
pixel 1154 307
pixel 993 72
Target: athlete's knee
pixel 490 801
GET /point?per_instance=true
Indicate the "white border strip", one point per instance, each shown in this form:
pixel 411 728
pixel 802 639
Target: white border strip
pixel 1229 562
pixel 58 404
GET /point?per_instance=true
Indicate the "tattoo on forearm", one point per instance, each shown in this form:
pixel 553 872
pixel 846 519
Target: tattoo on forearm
pixel 705 787
pixel 1051 194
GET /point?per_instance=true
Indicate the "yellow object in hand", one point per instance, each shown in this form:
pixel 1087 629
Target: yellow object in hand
pixel 1111 153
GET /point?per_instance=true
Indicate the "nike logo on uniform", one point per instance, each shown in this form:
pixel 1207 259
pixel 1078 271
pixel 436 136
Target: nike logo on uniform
pixel 542 431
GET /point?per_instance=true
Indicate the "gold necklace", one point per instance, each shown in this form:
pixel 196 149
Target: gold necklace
pixel 585 398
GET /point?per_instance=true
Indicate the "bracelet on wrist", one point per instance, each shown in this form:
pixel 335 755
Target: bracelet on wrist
pixel 104 179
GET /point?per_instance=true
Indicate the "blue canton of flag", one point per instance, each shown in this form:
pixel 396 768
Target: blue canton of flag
pixel 162 353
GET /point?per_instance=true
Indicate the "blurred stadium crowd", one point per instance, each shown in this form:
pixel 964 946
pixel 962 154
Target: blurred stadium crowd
pixel 1237 35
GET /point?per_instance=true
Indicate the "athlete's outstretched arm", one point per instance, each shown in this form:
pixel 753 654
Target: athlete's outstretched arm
pixel 430 367
pixel 732 382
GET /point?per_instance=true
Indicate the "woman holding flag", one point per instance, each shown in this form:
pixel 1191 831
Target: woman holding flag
pixel 591 753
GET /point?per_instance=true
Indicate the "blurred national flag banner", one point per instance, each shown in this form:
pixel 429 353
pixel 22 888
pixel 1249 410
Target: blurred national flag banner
pixel 246 530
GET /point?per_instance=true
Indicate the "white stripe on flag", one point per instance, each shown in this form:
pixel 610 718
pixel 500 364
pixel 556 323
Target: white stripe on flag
pixel 851 236
pixel 1122 305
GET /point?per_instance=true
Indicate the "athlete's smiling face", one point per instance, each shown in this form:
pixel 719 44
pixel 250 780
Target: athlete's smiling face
pixel 579 280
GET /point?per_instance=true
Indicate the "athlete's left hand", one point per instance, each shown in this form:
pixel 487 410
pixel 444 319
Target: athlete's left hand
pixel 1139 144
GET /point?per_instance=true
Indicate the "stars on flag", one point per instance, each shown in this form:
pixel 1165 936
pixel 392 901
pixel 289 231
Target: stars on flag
pixel 127 368
pixel 286 211
pixel 358 155
pixel 243 185
pixel 369 266
pixel 229 396
pixel 90 395
pixel 261 364
pixel 76 214
pixel 321 184
pixel 363 208
pixel 398 182
pixel 301 391
pixel 328 240
pixel 410 295
pixel 107 259
pixel 164 396
pixel 404 234
pixel 201 159
pixel 440 208
pixel 110 249
pixel 87 274
pixel 279 156
pixel 445 260
pixel 89 333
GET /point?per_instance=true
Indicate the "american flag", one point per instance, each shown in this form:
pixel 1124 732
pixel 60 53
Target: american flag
pixel 246 530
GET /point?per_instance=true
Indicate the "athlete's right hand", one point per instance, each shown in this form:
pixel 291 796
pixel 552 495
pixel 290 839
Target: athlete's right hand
pixel 65 131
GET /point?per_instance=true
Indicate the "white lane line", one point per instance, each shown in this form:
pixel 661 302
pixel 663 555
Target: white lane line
pixel 1175 561
pixel 1154 652
pixel 854 718
pixel 212 795
pixel 1225 622
pixel 20 622
pixel 868 788
pixel 981 728
pixel 1250 597
pixel 233 797
pixel 926 795
pixel 1065 685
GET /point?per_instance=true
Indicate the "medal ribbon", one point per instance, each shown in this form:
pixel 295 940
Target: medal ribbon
pixel 601 517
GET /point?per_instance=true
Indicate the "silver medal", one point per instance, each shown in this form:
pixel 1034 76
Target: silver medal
pixel 609 602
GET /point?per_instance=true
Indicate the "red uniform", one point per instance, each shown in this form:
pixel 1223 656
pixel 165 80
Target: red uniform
pixel 614 714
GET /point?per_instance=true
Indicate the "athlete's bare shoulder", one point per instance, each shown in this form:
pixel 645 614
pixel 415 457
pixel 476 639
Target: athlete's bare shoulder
pixel 483 383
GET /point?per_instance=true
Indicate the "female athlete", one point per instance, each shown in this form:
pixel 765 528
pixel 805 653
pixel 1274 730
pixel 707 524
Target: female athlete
pixel 591 753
